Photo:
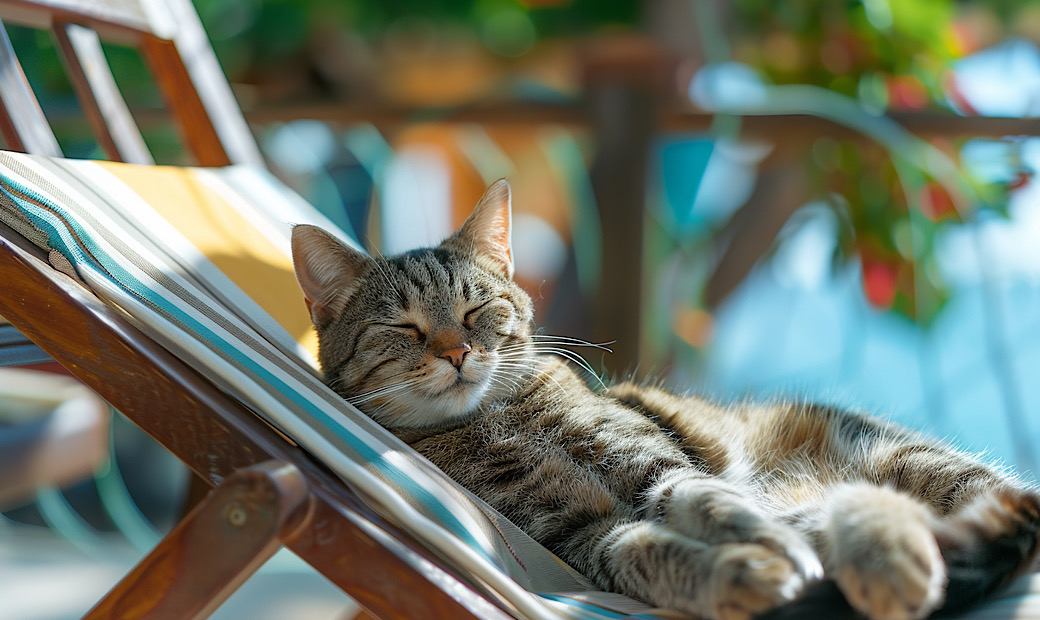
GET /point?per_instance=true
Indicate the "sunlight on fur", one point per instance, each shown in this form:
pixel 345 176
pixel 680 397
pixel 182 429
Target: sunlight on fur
pixel 722 511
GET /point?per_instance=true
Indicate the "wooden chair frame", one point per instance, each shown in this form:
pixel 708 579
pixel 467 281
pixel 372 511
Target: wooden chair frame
pixel 294 499
pixel 172 42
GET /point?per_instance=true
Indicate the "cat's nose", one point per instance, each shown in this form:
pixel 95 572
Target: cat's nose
pixel 456 355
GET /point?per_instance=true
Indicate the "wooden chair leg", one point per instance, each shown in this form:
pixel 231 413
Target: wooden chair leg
pixel 215 548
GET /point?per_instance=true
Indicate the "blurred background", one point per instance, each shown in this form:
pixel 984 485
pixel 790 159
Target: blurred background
pixel 750 199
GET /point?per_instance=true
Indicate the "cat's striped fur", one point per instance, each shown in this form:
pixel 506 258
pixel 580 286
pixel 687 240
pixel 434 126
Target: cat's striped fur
pixel 718 511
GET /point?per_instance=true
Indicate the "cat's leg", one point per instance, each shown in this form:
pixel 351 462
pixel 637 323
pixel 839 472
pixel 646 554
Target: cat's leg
pixel 722 581
pixel 707 510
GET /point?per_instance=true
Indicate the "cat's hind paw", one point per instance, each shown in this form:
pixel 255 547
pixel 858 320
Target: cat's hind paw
pixel 748 578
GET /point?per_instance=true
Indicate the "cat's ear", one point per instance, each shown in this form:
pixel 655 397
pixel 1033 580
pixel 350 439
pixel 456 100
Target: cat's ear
pixel 326 270
pixel 487 232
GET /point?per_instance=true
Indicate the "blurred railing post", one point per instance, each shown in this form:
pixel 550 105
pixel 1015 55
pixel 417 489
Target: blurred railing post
pixel 626 81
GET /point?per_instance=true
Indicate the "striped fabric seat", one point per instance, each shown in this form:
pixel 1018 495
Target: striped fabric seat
pixel 199 259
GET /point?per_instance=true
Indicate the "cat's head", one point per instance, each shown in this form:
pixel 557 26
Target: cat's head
pixel 426 337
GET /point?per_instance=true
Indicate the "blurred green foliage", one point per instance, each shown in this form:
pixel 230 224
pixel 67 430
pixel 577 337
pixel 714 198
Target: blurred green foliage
pixel 890 55
pixel 551 18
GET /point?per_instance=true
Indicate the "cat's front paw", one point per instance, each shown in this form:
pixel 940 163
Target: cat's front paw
pixel 749 578
pixel 787 542
pixel 885 558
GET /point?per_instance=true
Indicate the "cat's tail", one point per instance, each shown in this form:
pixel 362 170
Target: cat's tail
pixel 988 544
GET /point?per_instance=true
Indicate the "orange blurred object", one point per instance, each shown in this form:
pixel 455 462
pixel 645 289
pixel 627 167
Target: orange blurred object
pixel 936 203
pixel 693 325
pixel 906 92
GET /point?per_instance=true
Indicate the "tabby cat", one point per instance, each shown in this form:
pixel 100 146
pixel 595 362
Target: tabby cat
pixel 718 511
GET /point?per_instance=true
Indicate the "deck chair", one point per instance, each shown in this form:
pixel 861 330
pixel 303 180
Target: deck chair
pixel 169 291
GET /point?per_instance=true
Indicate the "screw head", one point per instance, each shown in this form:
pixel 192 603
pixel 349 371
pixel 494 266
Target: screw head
pixel 236 515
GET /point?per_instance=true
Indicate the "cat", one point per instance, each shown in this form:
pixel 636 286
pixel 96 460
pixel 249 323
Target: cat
pixel 718 511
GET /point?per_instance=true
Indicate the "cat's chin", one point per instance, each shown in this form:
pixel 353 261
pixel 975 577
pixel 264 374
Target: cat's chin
pixel 452 404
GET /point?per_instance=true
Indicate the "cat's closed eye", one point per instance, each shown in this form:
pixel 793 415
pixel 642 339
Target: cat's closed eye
pixel 407 327
pixel 471 314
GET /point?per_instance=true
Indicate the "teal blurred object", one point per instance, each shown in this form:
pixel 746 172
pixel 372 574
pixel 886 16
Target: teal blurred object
pixel 683 161
pixel 568 160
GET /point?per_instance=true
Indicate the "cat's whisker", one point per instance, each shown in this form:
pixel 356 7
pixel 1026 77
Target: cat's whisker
pixel 516 347
pixel 335 383
pixel 565 344
pixel 523 365
pixel 531 348
pixel 517 368
pixel 516 353
pixel 526 350
pixel 526 357
pixel 574 357
pixel 529 362
pixel 650 471
pixel 381 265
pixel 357 402
pixel 374 392
pixel 503 382
pixel 382 391
pixel 546 375
pixel 578 342
pixel 519 359
pixel 532 366
pixel 519 364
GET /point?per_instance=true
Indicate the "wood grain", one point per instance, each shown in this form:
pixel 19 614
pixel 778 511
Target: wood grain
pixel 387 571
pixel 215 548
pixel 171 39
pixel 200 63
pixel 22 122
pixel 103 105
pixel 116 20
pixel 183 102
